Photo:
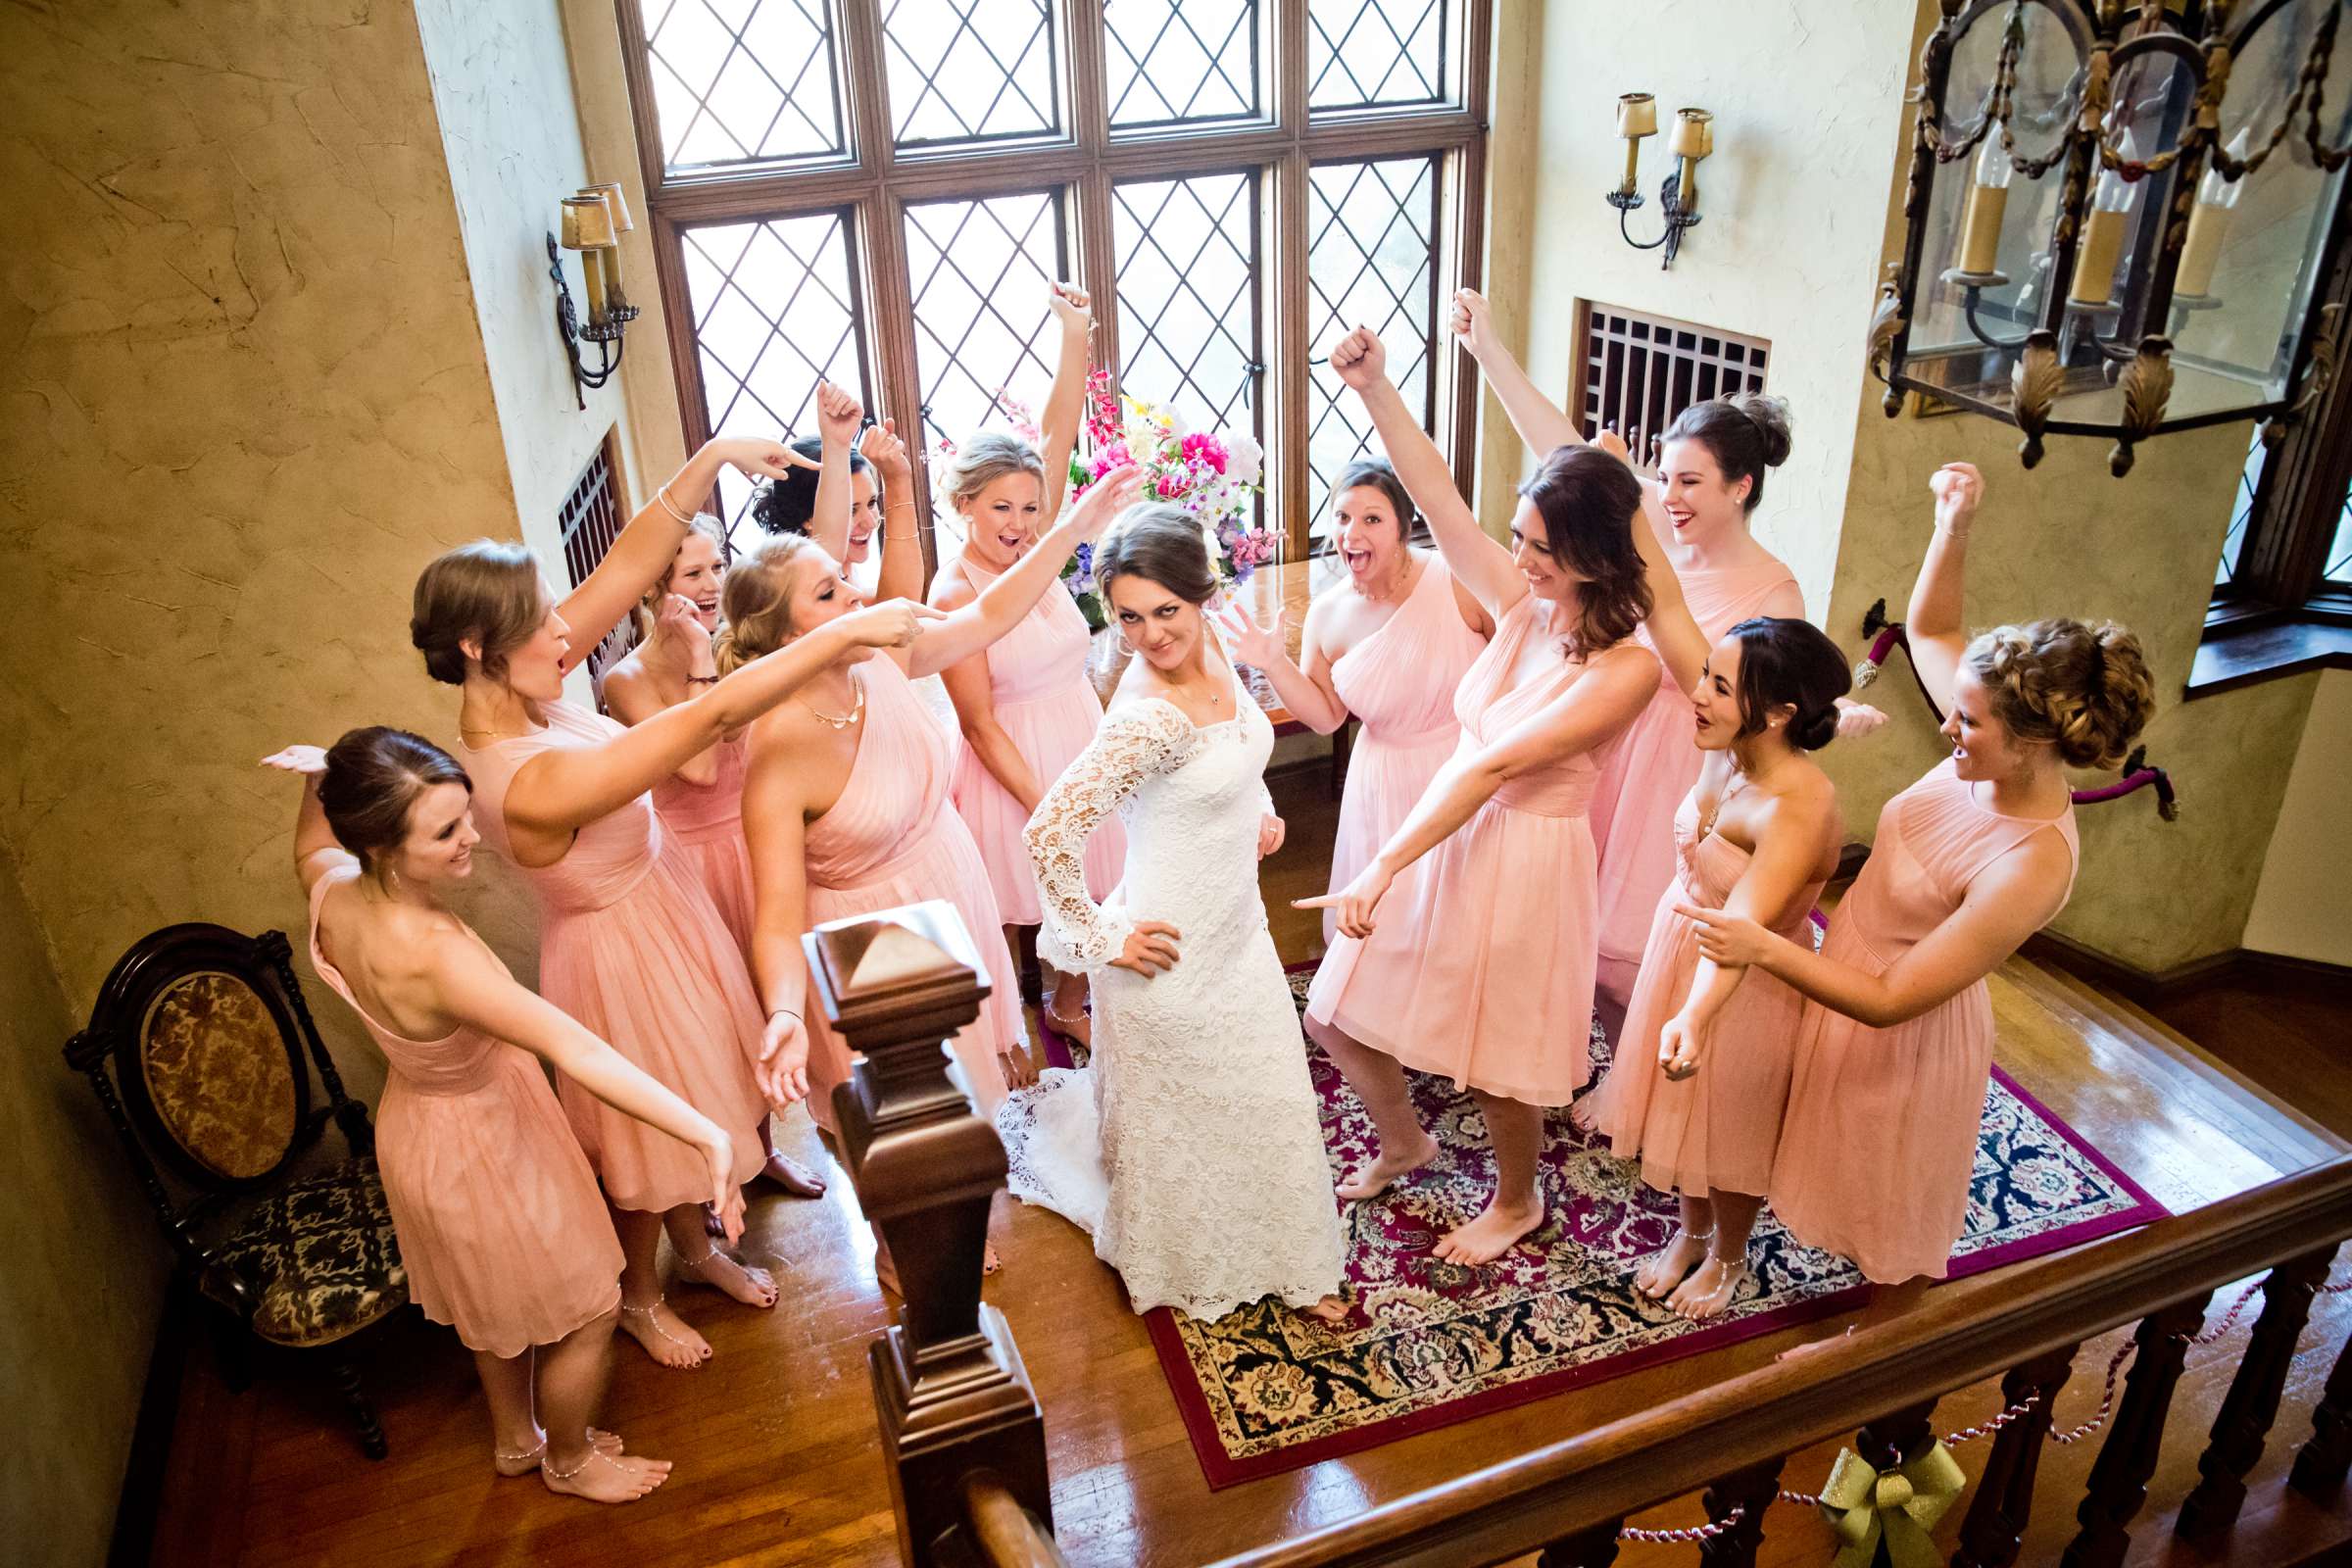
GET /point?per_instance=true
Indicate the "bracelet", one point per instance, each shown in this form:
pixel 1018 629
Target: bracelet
pixel 662 495
pixel 772 1011
pixel 896 505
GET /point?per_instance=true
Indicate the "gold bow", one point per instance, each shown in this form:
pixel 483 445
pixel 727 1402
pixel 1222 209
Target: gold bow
pixel 1863 1504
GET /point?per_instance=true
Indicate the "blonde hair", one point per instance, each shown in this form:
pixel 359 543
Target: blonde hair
pixel 757 602
pixel 2084 689
pixel 485 592
pixel 986 458
pixel 711 529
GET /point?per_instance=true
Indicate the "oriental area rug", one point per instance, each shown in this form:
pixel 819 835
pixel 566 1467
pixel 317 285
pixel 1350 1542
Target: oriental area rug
pixel 1263 1390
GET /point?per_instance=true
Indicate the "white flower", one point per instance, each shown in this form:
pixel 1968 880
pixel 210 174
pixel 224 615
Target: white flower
pixel 1176 425
pixel 1244 459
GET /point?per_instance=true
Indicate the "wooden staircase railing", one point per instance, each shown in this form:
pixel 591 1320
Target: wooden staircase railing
pixel 964 1437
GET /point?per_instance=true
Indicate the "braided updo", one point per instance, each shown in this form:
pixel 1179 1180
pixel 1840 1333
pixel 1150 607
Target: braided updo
pixel 2084 689
pixel 755 601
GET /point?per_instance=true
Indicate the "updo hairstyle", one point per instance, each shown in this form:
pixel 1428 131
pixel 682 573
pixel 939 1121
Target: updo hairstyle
pixel 373 777
pixel 755 601
pixel 1162 544
pixel 1381 476
pixel 650 606
pixel 486 592
pixel 785 504
pixel 1789 662
pixel 1746 433
pixel 2086 688
pixel 982 461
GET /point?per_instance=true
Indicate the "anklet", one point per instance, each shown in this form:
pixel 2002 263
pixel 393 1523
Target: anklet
pixel 655 1323
pixel 713 1251
pixel 517 1457
pixel 594 1454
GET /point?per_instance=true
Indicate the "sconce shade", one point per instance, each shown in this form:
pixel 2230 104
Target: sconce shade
pixel 1637 115
pixel 587 223
pixel 610 190
pixel 1694 133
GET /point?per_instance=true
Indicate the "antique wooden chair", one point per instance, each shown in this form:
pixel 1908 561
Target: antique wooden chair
pixel 200 1049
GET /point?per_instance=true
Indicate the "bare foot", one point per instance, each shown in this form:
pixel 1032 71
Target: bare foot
pixel 601 1477
pixel 753 1287
pixel 793 1176
pixel 521 1461
pixel 1493 1233
pixel 1668 1266
pixel 1584 1114
pixel 989 1262
pixel 665 1336
pixel 1391 1167
pixel 1707 1291
pixel 1332 1312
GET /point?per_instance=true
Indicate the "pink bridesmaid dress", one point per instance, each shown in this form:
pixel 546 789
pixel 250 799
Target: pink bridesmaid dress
pixel 1400 682
pixel 1719 1127
pixel 1645 774
pixel 1038 684
pixel 632 947
pixel 705 822
pixel 893 839
pixel 502 1230
pixel 1880 1135
pixel 1480 967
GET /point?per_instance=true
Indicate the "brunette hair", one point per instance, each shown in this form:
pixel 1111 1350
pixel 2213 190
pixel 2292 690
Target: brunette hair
pixel 1381 476
pixel 982 461
pixel 1789 662
pixel 2086 688
pixel 650 606
pixel 373 777
pixel 785 504
pixel 757 602
pixel 1159 543
pixel 1589 503
pixel 1746 433
pixel 486 592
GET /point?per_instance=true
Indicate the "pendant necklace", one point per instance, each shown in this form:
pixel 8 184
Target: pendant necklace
pixel 841 721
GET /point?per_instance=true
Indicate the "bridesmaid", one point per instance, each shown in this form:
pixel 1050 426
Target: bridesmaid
pixel 631 943
pixel 501 1228
pixel 1710 479
pixel 1482 970
pixel 1897 1041
pixel 845 797
pixel 1387 647
pixel 846 498
pixel 1025 706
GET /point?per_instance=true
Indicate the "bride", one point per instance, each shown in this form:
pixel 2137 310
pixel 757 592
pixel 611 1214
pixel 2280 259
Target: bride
pixel 1189 1146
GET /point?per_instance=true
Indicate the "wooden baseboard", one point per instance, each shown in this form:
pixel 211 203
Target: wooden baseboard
pixel 140 1504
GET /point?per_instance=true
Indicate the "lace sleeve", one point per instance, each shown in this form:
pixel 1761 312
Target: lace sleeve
pixel 1077 937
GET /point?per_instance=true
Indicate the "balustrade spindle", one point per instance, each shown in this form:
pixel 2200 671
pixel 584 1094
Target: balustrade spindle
pixel 2252 1403
pixel 1595 1547
pixel 1752 1491
pixel 2327 1455
pixel 2119 1477
pixel 1995 1531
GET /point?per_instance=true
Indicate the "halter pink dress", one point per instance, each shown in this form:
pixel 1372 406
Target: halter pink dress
pixel 705 822
pixel 632 947
pixel 892 839
pixel 1719 1127
pixel 1880 1135
pixel 1480 964
pixel 1400 682
pixel 1038 685
pixel 501 1231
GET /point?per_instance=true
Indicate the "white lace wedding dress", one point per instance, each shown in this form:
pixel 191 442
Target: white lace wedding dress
pixel 1189 1146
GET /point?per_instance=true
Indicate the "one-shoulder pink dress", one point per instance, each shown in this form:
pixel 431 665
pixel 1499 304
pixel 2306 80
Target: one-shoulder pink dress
pixel 893 838
pixel 1718 1128
pixel 1400 682
pixel 632 947
pixel 1480 965
pixel 706 822
pixel 1881 1136
pixel 501 1231
pixel 1038 685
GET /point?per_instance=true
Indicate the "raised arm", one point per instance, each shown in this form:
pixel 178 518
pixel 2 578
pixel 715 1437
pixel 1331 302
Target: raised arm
pixel 1002 603
pixel 1933 623
pixel 1306 691
pixel 775 830
pixel 316 851
pixel 632 696
pixel 1477 562
pixel 2005 905
pixel 901 574
pixel 838 412
pixel 973 695
pixel 1065 403
pixel 643 550
pixel 1540 423
pixel 1076 936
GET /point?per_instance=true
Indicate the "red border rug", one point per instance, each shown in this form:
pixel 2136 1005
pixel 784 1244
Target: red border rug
pixel 1263 1389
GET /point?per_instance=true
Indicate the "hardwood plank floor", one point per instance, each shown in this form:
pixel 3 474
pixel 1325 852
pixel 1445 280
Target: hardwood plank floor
pixel 775 1440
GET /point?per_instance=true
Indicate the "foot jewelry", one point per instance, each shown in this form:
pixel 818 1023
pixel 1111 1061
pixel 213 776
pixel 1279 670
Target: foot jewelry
pixel 655 1323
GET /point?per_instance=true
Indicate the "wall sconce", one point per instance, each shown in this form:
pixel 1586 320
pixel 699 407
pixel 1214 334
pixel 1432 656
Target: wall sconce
pixel 1693 139
pixel 592 224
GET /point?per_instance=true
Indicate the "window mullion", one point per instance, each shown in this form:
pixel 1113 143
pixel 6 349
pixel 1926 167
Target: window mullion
pixel 868 87
pixel 1286 431
pixel 890 295
pixel 1090 124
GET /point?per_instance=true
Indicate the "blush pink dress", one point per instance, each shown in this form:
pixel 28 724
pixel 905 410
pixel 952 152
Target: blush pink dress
pixel 1719 1127
pixel 632 947
pixel 1881 1136
pixel 893 838
pixel 1400 682
pixel 1038 685
pixel 705 822
pixel 501 1231
pixel 1480 967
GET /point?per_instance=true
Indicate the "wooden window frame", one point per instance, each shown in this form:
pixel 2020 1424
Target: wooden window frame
pixel 876 181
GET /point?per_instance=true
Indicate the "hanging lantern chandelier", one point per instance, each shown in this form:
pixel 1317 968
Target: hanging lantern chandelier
pixel 2119 215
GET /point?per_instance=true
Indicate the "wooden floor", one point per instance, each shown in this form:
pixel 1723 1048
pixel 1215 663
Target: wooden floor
pixel 775 1440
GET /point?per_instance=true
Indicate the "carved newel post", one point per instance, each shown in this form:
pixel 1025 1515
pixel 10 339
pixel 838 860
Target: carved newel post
pixel 949 1386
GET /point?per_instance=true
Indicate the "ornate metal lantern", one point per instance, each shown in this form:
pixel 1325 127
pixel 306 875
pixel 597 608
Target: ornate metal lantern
pixel 2119 214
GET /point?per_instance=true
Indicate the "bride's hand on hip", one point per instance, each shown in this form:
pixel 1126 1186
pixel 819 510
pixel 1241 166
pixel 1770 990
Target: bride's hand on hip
pixel 1150 948
pixel 1270 831
pixel 1356 904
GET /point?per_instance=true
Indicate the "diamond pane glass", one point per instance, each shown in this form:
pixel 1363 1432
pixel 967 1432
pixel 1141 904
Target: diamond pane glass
pixel 1370 253
pixel 1187 258
pixel 964 70
pixel 1375 54
pixel 1167 62
pixel 743 81
pixel 2241 511
pixel 2339 549
pixel 774 311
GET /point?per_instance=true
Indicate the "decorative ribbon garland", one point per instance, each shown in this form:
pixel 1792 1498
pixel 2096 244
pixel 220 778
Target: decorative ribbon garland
pixel 1888 635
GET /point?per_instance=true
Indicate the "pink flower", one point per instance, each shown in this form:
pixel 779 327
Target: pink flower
pixel 1205 448
pixel 1170 486
pixel 1111 457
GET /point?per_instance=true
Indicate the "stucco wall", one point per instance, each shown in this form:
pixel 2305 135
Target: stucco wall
pixel 2303 903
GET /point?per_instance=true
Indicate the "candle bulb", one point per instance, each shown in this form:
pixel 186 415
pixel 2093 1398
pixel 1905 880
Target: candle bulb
pixel 1637 118
pixel 616 208
pixel 1693 139
pixel 1987 203
pixel 593 278
pixel 2102 242
pixel 588 228
pixel 2208 225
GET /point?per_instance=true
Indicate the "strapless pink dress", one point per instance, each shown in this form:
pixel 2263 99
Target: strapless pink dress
pixel 706 822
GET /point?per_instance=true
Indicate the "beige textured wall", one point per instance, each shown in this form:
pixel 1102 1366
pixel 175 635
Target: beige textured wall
pixel 2303 903
pixel 1514 128
pixel 82 1272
